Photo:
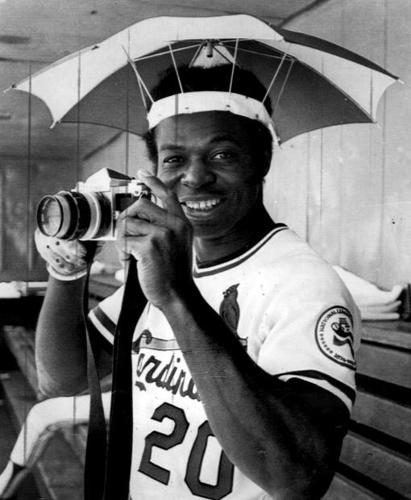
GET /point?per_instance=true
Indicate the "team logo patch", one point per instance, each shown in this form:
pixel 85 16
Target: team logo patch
pixel 334 336
pixel 230 311
pixel 229 308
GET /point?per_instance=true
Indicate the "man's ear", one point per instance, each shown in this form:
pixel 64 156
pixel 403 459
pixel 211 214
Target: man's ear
pixel 266 163
pixel 267 155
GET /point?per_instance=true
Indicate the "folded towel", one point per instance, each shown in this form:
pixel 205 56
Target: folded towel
pixel 9 291
pixel 376 316
pixel 386 308
pixel 366 293
pixel 119 275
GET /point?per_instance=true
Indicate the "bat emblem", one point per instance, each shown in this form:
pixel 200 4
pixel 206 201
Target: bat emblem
pixel 343 334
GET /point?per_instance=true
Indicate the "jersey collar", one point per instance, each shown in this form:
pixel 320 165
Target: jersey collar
pixel 208 268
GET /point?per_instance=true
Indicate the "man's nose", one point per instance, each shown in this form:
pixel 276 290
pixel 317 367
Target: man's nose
pixel 197 174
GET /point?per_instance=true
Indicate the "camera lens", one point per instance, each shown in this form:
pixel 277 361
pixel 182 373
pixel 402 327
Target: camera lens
pixel 65 215
pixel 49 215
pixel 71 215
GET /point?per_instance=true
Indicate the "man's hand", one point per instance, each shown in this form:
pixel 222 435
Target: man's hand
pixel 160 238
pixel 66 258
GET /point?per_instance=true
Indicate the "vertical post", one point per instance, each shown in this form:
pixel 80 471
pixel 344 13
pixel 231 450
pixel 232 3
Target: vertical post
pixel 29 249
pixel 2 228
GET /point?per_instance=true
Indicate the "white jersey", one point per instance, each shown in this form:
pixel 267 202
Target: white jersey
pixel 294 316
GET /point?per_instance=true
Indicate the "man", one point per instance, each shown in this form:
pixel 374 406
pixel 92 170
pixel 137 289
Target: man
pixel 242 388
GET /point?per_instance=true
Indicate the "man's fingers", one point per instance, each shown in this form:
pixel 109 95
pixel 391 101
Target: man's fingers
pixel 62 263
pixel 51 249
pixel 168 198
pixel 134 234
pixel 130 226
pixel 73 255
pixel 145 210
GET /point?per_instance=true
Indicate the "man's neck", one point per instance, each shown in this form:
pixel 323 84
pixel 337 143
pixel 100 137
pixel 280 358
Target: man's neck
pixel 242 237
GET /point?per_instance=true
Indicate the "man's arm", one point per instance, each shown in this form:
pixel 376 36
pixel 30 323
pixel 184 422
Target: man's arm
pixel 61 347
pixel 61 339
pixel 61 332
pixel 285 436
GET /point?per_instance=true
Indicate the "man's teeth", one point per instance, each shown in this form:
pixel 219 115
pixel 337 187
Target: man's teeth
pixel 202 205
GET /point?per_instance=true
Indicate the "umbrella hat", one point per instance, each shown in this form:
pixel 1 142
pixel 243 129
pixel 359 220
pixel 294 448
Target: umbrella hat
pixel 310 82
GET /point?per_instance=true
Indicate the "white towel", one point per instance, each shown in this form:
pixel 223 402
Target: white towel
pixel 379 316
pixel 367 294
pixel 9 291
pixel 385 308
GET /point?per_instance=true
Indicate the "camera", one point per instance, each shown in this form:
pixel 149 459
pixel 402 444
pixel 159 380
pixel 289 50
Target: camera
pixel 90 211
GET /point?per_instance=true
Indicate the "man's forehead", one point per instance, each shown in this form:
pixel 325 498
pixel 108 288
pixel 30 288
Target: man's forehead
pixel 209 126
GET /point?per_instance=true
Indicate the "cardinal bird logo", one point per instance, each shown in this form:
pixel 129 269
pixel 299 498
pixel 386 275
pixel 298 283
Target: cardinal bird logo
pixel 229 308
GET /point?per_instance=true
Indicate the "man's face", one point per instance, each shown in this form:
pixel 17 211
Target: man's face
pixel 207 160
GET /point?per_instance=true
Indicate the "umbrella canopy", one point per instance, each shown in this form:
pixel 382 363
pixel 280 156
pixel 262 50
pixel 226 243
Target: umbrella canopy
pixel 311 83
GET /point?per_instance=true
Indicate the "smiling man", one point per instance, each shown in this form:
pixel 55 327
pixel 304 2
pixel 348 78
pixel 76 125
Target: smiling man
pixel 241 389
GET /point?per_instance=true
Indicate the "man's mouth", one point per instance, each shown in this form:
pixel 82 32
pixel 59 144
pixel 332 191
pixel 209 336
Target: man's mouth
pixel 202 205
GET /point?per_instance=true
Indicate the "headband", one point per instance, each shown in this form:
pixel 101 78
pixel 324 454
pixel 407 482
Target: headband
pixel 197 102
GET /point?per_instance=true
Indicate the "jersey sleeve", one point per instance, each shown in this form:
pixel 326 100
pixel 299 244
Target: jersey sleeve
pixel 311 330
pixel 104 317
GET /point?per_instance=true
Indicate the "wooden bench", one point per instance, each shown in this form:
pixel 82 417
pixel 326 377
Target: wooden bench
pixel 376 457
pixel 59 471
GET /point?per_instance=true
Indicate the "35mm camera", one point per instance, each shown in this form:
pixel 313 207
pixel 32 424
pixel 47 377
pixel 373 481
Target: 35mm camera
pixel 90 211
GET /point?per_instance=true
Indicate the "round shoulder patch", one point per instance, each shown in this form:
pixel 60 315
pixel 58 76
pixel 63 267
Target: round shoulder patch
pixel 334 336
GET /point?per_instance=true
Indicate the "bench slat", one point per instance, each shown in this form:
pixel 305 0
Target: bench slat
pixel 383 415
pixel 383 363
pixel 342 488
pixel 378 463
pixel 388 334
pixel 20 341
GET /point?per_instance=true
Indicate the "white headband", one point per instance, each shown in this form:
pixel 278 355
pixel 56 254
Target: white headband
pixel 196 102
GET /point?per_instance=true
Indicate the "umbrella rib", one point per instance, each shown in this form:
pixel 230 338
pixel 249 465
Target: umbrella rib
pixel 143 97
pixel 165 52
pixel 339 89
pixel 283 86
pixel 273 79
pixel 222 55
pixel 176 69
pixel 188 47
pixel 271 56
pixel 199 47
pixel 233 66
pixel 140 81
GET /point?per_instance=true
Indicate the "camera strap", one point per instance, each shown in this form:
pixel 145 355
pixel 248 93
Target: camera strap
pixel 108 457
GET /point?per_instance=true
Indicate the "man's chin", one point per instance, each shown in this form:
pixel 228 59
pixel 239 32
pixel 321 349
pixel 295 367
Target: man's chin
pixel 208 231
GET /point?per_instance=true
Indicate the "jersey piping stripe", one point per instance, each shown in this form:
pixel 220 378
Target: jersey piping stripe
pixel 103 339
pixel 345 389
pixel 150 342
pixel 199 273
pixel 104 320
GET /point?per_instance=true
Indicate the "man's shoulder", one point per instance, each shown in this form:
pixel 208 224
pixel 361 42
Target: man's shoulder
pixel 289 262
pixel 287 250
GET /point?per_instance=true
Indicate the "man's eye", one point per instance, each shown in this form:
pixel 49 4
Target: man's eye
pixel 223 155
pixel 173 159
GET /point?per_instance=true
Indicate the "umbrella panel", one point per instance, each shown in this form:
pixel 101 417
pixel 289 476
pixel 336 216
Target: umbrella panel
pixel 302 99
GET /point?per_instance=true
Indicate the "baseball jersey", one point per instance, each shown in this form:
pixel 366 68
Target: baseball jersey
pixel 292 314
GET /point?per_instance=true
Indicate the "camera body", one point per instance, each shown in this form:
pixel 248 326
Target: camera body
pixel 90 211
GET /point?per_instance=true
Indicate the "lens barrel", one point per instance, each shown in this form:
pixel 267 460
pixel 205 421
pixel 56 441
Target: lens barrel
pixel 71 215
